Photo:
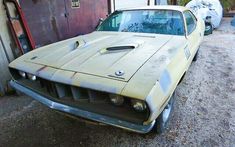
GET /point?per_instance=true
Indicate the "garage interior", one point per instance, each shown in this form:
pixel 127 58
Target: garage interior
pixel 205 114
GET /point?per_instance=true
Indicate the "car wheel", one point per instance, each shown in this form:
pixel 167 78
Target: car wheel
pixel 163 119
pixel 208 29
pixel 195 57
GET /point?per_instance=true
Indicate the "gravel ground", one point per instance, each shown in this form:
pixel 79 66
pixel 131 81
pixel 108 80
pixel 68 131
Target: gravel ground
pixel 204 114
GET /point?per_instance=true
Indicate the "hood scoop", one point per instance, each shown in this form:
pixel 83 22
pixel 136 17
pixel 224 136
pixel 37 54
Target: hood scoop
pixel 129 44
pixel 117 48
pixel 77 44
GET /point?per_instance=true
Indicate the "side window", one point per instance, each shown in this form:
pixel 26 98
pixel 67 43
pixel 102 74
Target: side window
pixel 191 21
pixel 116 21
pixel 113 24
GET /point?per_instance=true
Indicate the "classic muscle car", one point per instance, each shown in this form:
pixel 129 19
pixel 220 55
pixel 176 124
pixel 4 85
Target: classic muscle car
pixel 123 74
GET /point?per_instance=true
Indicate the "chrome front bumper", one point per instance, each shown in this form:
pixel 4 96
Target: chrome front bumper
pixel 82 113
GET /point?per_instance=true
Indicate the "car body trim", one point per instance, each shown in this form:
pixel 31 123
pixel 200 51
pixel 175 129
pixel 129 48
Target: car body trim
pixel 82 113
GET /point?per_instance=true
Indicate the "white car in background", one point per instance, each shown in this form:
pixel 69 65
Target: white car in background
pixel 210 11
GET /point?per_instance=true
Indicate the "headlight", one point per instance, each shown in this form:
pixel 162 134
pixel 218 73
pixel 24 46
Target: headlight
pixel 116 99
pixel 22 74
pixel 138 105
pixel 32 77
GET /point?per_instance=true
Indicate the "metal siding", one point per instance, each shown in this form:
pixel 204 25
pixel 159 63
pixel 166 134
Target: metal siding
pixel 46 20
pixel 84 19
pixel 55 20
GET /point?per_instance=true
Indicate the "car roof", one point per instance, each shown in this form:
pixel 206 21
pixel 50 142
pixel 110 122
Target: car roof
pixel 159 7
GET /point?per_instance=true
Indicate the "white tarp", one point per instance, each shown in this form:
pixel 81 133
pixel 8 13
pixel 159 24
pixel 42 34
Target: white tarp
pixel 204 8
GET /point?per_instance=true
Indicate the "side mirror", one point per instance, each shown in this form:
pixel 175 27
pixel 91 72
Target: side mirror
pixel 99 22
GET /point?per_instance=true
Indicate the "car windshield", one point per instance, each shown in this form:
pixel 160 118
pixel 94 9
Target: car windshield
pixel 145 21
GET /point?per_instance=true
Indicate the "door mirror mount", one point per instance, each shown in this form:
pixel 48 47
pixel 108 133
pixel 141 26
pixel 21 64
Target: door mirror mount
pixel 99 22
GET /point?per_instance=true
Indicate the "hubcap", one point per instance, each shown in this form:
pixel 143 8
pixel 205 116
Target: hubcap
pixel 208 28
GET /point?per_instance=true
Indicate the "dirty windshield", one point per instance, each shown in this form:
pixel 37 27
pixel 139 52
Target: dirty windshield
pixel 145 21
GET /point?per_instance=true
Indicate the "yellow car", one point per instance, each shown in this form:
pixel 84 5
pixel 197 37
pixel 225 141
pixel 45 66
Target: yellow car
pixel 123 74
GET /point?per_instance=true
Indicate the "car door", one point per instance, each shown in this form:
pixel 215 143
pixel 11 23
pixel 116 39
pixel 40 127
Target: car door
pixel 193 34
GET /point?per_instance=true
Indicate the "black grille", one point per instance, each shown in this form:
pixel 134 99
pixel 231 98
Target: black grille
pixel 63 91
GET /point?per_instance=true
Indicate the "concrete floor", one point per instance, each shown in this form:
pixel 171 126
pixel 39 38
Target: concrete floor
pixel 204 114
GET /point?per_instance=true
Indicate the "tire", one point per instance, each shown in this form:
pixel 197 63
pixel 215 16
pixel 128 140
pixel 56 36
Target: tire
pixel 163 119
pixel 196 56
pixel 209 29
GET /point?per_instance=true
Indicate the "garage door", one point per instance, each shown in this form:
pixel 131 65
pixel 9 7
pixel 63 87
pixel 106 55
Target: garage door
pixel 54 20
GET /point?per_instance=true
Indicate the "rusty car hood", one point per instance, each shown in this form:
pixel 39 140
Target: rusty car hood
pixel 102 54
